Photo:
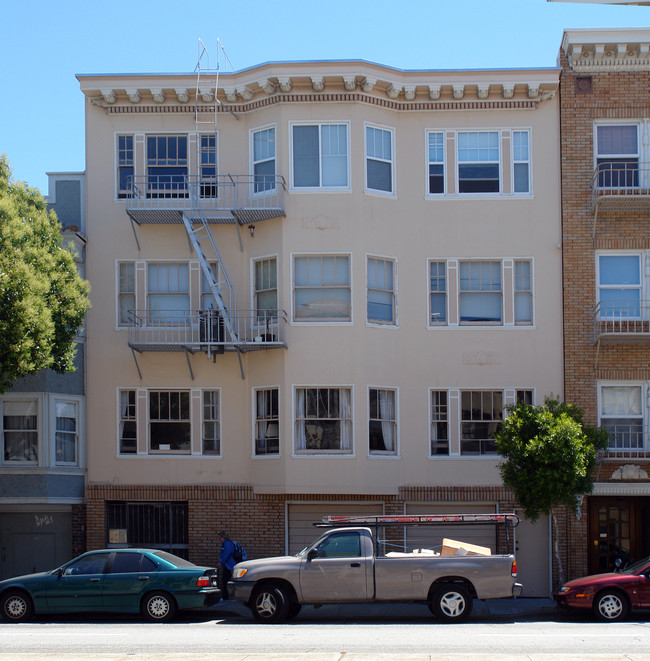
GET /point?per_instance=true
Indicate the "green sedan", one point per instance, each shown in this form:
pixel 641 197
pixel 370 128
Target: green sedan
pixel 154 583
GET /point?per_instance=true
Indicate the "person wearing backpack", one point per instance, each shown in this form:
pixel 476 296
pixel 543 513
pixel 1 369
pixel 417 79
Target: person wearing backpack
pixel 227 562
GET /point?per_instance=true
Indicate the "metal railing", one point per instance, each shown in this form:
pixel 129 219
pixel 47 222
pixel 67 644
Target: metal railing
pixel 171 330
pixel 626 439
pixel 222 193
pixel 622 317
pixel 623 177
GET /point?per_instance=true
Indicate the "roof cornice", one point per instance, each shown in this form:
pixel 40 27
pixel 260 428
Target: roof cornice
pixel 607 50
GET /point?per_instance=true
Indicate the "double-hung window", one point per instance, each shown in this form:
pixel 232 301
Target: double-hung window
pixel 267 422
pixel 66 432
pixel 211 440
pixel 436 173
pixel 478 162
pixel 169 422
pixel 125 165
pixel 381 291
pixel 208 165
pixel 126 293
pixel 480 292
pixel 621 414
pixel 128 430
pixel 379 159
pixel 20 431
pixel 265 283
pixel 264 160
pixel 320 156
pixel 523 292
pixel 437 292
pixel 167 292
pixel 323 422
pixel 382 422
pixel 439 423
pixel 521 162
pixel 481 417
pixel 617 155
pixel 322 288
pixel 619 286
pixel 166 165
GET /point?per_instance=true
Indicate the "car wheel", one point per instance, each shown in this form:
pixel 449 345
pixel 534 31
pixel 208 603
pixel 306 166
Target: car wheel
pixel 158 607
pixel 16 607
pixel 451 603
pixel 270 603
pixel 610 606
pixel 294 609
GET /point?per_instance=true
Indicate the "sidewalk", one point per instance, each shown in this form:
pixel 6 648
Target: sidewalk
pixel 511 609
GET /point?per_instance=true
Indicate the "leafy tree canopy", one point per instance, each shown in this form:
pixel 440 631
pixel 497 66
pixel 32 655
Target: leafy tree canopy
pixel 43 299
pixel 549 455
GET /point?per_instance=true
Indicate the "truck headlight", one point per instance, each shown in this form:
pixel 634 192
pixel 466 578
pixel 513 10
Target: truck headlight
pixel 239 572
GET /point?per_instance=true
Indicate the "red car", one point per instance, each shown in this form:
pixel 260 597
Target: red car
pixel 610 596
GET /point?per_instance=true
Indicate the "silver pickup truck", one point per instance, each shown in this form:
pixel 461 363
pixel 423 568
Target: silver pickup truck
pixel 343 566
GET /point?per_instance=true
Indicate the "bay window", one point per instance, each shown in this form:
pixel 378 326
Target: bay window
pixel 320 156
pixel 20 431
pixel 379 159
pixel 323 422
pixel 322 289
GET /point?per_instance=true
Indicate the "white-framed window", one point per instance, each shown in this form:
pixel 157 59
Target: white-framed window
pixel 380 167
pixel 167 163
pixel 167 291
pixel 211 432
pixel 208 165
pixel 481 416
pixel 437 292
pixel 382 421
pixel 439 404
pixel 479 162
pixel 436 162
pixel 169 422
pixel 128 426
pixel 126 293
pixel 381 291
pixel 623 415
pixel 263 160
pixel 125 165
pixel 480 292
pixel 66 434
pixel 617 155
pixel 521 162
pixel 321 288
pixel 320 156
pixel 20 431
pixel 267 421
pixel 323 420
pixel 523 292
pixel 619 278
pixel 265 287
pixel 525 396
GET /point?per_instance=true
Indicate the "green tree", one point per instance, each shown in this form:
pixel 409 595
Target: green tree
pixel 549 457
pixel 43 299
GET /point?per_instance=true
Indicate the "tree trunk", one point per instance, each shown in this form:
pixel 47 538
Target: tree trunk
pixel 556 549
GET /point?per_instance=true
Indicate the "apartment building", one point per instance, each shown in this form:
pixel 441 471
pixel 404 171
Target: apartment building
pixel 605 116
pixel 42 465
pixel 316 287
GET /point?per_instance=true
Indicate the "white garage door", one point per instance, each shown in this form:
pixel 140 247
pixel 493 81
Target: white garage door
pixel 418 537
pixel 302 516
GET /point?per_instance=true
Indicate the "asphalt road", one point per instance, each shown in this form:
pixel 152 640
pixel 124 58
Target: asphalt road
pixel 321 635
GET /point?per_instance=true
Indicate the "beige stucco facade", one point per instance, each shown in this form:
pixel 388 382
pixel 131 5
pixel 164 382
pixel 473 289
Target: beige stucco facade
pixel 448 181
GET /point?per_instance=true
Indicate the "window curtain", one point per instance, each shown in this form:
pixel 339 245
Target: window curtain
pixel 387 414
pixel 345 411
pixel 301 438
pixel 621 401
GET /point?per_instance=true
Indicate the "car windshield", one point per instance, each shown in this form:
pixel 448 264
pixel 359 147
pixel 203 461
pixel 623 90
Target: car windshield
pixel 636 567
pixel 174 559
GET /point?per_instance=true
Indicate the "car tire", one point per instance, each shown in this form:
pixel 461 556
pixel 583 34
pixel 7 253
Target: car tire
pixel 270 603
pixel 158 607
pixel 294 609
pixel 610 606
pixel 16 606
pixel 451 603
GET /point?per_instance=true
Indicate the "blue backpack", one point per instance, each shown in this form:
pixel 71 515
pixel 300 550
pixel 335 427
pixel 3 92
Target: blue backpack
pixel 239 552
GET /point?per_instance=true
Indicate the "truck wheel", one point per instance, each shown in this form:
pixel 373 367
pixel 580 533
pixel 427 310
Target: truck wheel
pixel 451 603
pixel 294 609
pixel 610 606
pixel 270 603
pixel 159 607
pixel 16 606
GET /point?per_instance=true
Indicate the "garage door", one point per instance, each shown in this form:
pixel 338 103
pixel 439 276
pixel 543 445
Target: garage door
pixel 427 537
pixel 302 516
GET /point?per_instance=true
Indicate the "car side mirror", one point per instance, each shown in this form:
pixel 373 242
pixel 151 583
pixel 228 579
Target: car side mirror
pixel 59 572
pixel 313 553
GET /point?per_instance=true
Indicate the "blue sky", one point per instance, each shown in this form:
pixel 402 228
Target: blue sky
pixel 45 44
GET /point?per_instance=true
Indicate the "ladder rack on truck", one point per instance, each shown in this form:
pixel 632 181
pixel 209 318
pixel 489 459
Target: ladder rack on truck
pixel 508 520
